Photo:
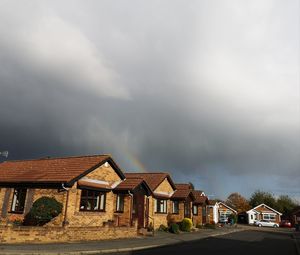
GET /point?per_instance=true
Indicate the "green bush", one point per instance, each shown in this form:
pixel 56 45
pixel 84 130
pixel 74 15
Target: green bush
pixel 42 211
pixel 174 228
pixel 232 218
pixel 186 225
pixel 163 228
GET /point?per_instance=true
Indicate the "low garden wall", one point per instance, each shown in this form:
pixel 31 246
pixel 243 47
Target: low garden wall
pixel 22 234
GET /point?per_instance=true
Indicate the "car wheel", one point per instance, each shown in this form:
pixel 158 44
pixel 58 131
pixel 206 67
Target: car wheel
pixel 259 225
pixel 275 226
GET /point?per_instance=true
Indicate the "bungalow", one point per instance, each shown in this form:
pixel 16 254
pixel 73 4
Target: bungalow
pixel 219 212
pixel 263 212
pixel 157 206
pixel 182 201
pixel 199 209
pixel 84 185
pixel 93 190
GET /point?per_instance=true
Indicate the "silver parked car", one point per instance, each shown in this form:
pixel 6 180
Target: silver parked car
pixel 266 223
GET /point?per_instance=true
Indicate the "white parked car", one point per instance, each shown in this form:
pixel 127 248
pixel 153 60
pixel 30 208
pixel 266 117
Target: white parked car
pixel 266 223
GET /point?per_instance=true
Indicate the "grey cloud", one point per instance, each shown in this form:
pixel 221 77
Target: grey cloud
pixel 208 90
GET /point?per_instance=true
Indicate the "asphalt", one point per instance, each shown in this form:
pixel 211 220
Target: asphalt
pixel 166 243
pixel 247 242
pixel 296 237
pixel 160 239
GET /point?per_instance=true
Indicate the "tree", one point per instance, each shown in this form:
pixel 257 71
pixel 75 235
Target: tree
pixel 285 204
pixel 192 186
pixel 238 202
pixel 262 197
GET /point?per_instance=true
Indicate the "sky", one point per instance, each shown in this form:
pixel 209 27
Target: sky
pixel 207 90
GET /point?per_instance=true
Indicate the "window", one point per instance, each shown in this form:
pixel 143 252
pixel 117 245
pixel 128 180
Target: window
pixel 161 206
pixel 92 200
pixel 195 210
pixel 270 217
pixel 18 202
pixel 187 209
pixel 120 203
pixel 203 211
pixel 175 207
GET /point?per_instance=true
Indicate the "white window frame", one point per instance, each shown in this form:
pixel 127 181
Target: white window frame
pixel 162 208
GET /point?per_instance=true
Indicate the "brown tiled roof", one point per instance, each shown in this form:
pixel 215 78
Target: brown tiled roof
pixel 198 198
pixel 185 186
pixel 129 184
pixel 183 190
pixel 52 170
pixel 152 179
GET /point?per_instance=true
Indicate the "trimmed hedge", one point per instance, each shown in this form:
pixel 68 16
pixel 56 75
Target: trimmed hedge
pixel 174 228
pixel 186 225
pixel 42 211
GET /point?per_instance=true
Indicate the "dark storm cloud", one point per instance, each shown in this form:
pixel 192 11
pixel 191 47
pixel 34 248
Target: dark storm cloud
pixel 208 90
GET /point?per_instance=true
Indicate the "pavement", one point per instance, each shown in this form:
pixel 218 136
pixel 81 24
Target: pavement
pixel 160 239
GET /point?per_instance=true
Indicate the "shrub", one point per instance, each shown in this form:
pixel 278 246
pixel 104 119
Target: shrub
pixel 42 211
pixel 163 228
pixel 174 228
pixel 232 219
pixel 186 225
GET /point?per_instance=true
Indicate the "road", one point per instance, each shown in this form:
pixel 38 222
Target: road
pixel 246 242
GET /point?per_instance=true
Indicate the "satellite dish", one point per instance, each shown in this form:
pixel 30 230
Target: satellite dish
pixel 4 153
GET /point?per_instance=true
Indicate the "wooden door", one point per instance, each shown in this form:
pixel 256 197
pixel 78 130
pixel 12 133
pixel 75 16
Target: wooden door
pixel 139 212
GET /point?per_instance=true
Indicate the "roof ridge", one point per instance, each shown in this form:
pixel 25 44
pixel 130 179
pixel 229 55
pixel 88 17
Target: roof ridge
pixel 66 157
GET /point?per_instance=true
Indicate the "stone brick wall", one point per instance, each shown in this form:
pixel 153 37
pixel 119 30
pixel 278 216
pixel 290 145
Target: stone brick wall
pixel 104 173
pixel 159 218
pixel 178 217
pixel 31 196
pixel 9 234
pixel 165 186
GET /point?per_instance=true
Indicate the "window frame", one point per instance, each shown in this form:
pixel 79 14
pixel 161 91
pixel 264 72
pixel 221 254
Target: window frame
pixel 120 197
pixel 177 206
pixel 269 218
pixel 193 209
pixel 15 207
pixel 93 197
pixel 163 202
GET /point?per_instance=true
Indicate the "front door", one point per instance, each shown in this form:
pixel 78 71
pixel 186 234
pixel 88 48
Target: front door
pixel 203 214
pixel 187 209
pixel 139 208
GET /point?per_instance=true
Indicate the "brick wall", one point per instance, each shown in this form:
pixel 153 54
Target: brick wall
pixel 9 234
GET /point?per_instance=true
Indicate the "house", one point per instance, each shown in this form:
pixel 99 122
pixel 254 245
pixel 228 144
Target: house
pixel 199 209
pixel 219 212
pixel 84 185
pixel 96 197
pixel 295 216
pixel 263 212
pixel 157 207
pixel 182 201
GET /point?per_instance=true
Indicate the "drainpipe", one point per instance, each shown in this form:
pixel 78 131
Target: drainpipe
pixel 65 221
pixel 131 195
